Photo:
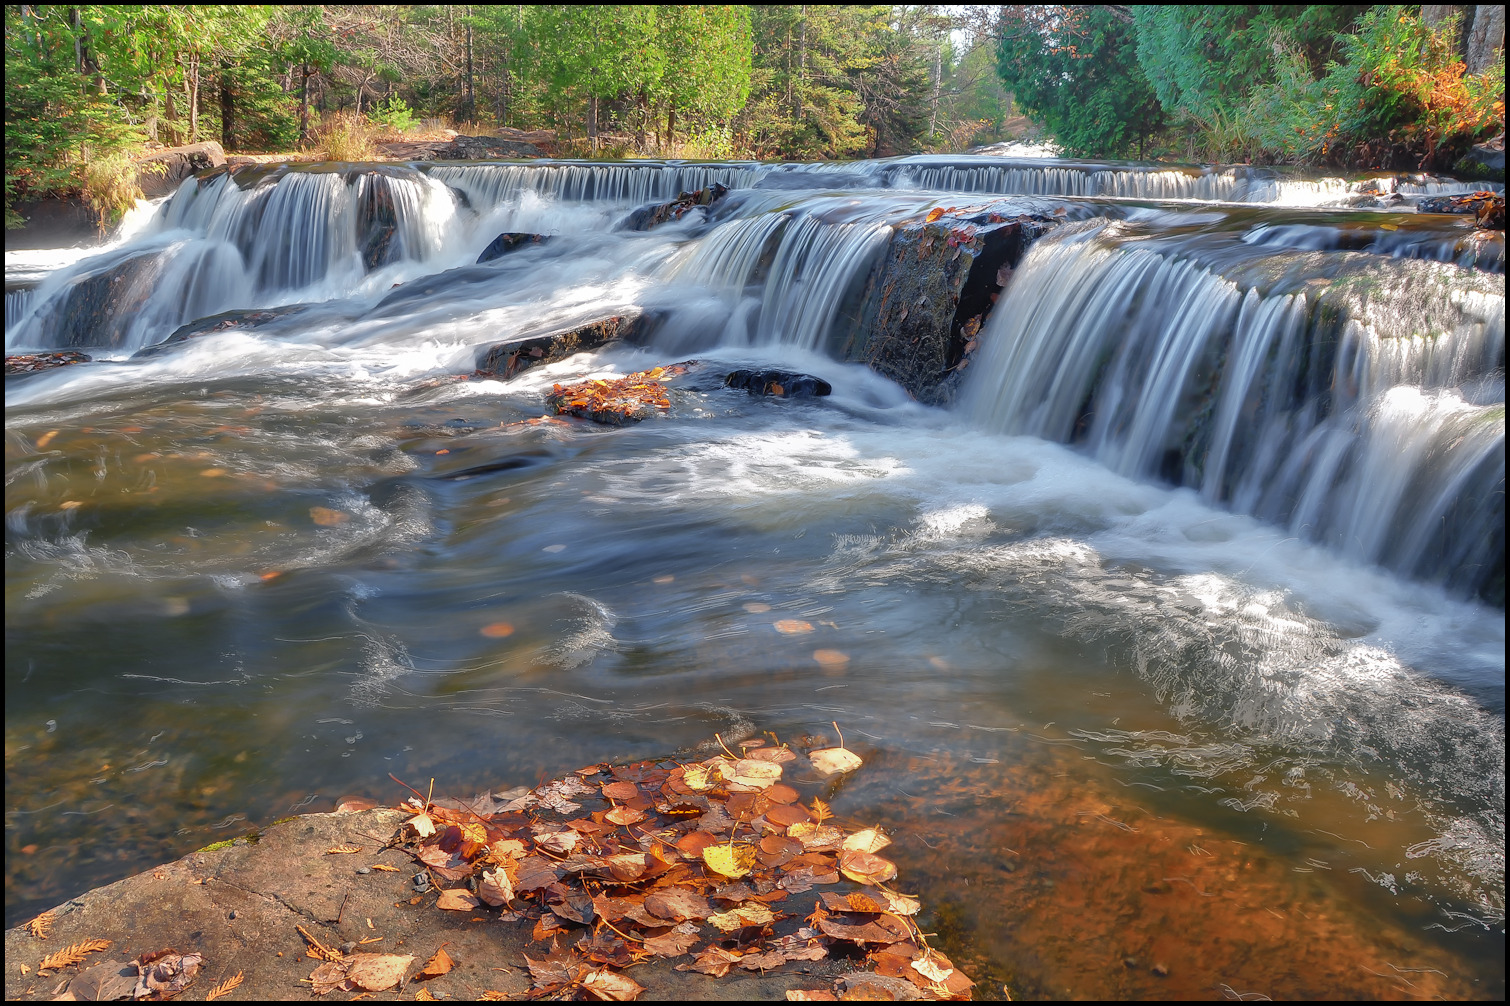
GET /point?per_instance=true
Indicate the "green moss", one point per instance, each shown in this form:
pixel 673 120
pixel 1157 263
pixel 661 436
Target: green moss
pixel 216 846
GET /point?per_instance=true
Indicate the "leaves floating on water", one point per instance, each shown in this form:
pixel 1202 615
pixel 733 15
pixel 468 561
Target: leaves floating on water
pixel 831 658
pixel 497 630
pixel 72 955
pixel 324 516
pixel 832 761
pixel 793 626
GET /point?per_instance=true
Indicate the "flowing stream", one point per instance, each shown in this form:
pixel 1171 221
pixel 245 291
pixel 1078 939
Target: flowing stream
pixel 1176 638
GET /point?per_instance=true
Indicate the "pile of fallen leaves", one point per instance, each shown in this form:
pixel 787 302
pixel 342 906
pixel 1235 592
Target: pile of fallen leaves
pixel 31 363
pixel 718 861
pixel 627 400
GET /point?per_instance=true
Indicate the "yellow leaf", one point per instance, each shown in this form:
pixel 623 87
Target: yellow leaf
pixel 930 968
pixel 423 824
pixel 749 914
pixel 732 861
pixel 832 761
pixel 933 215
pixel 457 900
pixel 341 850
pixel 385 868
pixel 46 439
pixel 869 840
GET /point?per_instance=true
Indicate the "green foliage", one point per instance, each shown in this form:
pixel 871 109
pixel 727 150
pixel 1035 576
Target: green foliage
pixel 395 116
pixel 1399 98
pixel 1076 70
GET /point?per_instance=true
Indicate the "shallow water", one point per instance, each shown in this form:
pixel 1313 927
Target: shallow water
pixel 1109 720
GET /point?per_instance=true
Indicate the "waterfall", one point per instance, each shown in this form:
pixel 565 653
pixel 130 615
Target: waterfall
pixel 488 185
pixel 1361 410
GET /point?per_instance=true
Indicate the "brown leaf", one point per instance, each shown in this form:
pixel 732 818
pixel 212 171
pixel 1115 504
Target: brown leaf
pixel 810 996
pixel 863 991
pixel 624 815
pixel 677 904
pixel 103 982
pixel 620 790
pixel 494 887
pixel 328 977
pixel 224 987
pixel 168 975
pixel 610 986
pixel 816 837
pixel 673 944
pixel 535 873
pixel 792 626
pixel 866 867
pixel 377 972
pixel 437 965
pixel 714 960
pixel 323 516
pixel 782 793
pixel 695 842
pixel 788 814
pixel 864 929
pixel 340 850
pixel 71 955
pixel 457 900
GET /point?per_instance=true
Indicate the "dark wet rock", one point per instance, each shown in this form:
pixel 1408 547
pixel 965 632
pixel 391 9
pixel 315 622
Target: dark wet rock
pixel 632 398
pixel 377 221
pixel 646 217
pixel 33 363
pixel 779 383
pixel 509 241
pixel 1486 208
pixel 1484 161
pixel 929 296
pixel 99 306
pixel 507 359
pixel 162 172
pixel 222 322
pixel 54 222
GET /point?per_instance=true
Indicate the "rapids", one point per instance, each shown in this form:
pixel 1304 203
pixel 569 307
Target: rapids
pixel 1205 558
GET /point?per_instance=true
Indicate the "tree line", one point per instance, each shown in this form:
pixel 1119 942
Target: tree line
pixel 1381 86
pixel 89 85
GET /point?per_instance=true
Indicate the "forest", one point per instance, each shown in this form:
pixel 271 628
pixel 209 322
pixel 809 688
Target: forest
pixel 90 86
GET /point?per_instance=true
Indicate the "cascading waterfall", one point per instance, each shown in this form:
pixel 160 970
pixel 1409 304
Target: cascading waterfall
pixel 491 184
pixel 1320 409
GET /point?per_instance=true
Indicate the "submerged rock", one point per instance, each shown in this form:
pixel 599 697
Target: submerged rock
pixel 32 363
pixel 646 217
pixel 779 383
pixel 509 241
pixel 506 359
pixel 219 323
pixel 929 296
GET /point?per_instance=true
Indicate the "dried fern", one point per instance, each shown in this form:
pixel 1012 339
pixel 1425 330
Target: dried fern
pixel 224 987
pixel 41 925
pixel 72 955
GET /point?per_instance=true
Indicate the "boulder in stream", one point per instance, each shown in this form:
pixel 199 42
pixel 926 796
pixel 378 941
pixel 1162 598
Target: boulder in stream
pixel 254 318
pixel 779 383
pixel 646 217
pixel 929 296
pixel 509 241
pixel 506 359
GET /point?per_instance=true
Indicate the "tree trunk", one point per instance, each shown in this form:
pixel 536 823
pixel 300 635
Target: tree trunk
pixel 1484 37
pixel 192 86
pixel 227 108
pixel 938 76
pixel 304 105
pixel 670 127
pixel 471 109
pixel 592 123
pixel 801 57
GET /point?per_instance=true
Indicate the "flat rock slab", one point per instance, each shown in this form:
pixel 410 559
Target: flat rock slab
pixel 239 905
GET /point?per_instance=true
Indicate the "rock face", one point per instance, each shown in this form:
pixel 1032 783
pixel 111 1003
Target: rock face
pixel 507 359
pixel 509 241
pixel 927 298
pixel 100 306
pixel 655 214
pixel 163 171
pixel 1485 160
pixel 779 383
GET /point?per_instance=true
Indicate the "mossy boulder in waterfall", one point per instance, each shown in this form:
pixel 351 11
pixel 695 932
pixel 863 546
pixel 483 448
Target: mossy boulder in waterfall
pixel 506 359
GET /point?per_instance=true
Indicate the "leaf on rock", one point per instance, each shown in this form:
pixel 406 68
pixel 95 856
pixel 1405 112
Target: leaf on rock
pixel 714 960
pixel 810 996
pixel 457 900
pixel 423 824
pixel 377 972
pixel 869 840
pixel 41 925
pixel 224 988
pixel 495 888
pixel 751 914
pixel 677 904
pixel 610 986
pixel 437 965
pixel 341 850
pixel 103 982
pixel 167 976
pixel 730 860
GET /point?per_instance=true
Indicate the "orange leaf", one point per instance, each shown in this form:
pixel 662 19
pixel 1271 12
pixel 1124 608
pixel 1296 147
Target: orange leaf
pixel 437 965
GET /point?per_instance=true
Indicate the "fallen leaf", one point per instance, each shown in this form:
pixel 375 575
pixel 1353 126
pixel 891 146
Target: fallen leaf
pixel 341 850
pixel 167 976
pixel 457 900
pixel 931 968
pixel 377 972
pixel 422 823
pixel 620 790
pixel 714 960
pixel 933 215
pixel 730 860
pixel 494 887
pixel 816 837
pixel 832 761
pixel 70 505
pixel 46 439
pixel 497 630
pixel 792 626
pixel 213 473
pixel 752 914
pixel 788 814
pixel 611 986
pixel 624 815
pixel 385 868
pixel 831 658
pixel 810 996
pixel 677 904
pixel 103 982
pixel 224 987
pixel 326 517
pixel 751 775
pixel 424 996
pixel 437 965
pixel 866 868
pixel 72 954
pixel 672 944
pixel 782 793
pixel 869 840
